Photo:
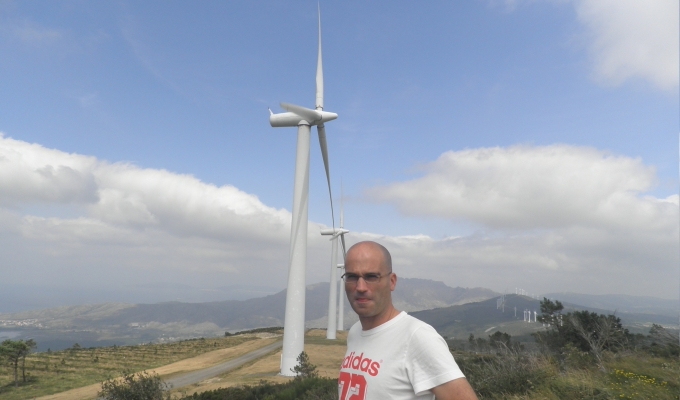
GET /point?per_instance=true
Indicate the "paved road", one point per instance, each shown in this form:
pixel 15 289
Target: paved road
pixel 198 376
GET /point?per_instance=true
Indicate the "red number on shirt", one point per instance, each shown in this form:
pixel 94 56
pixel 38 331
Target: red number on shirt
pixel 352 386
pixel 358 387
pixel 343 384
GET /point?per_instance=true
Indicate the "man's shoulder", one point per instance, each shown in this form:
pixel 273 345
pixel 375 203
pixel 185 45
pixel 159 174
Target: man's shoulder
pixel 355 328
pixel 415 324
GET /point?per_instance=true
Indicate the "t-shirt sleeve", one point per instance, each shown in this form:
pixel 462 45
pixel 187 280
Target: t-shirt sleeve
pixel 429 362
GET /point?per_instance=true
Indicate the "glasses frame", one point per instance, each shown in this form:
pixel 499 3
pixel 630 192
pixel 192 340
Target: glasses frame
pixel 380 276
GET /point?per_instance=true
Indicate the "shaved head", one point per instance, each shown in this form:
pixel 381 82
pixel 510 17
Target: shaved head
pixel 370 245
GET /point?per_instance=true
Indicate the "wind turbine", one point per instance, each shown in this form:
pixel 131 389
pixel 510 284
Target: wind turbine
pixel 341 294
pixel 335 295
pixel 303 118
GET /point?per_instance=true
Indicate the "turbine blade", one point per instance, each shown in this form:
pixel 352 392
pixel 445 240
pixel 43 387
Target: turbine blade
pixel 324 152
pixel 344 249
pixel 342 205
pixel 319 72
pixel 310 115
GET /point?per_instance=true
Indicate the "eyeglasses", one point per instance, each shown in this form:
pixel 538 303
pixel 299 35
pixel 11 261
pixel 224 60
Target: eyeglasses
pixel 353 279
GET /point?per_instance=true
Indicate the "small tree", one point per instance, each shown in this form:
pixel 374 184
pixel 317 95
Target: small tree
pixel 304 368
pixel 663 342
pixel 13 351
pixel 30 345
pixel 550 311
pixel 500 340
pixel 581 330
pixel 599 332
pixel 139 386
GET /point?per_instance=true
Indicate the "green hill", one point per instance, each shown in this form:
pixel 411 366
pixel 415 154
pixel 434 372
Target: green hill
pixel 483 318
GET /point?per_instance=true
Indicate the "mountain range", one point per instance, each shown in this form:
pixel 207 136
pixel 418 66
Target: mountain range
pixel 109 323
pixel 454 312
pixel 487 316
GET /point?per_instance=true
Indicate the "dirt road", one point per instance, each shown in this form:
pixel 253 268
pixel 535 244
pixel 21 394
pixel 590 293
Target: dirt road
pixel 198 376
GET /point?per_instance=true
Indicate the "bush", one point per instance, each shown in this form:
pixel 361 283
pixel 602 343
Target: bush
pixel 575 358
pixel 583 331
pixel 509 372
pixel 303 389
pixel 139 386
pixel 271 329
pixel 663 343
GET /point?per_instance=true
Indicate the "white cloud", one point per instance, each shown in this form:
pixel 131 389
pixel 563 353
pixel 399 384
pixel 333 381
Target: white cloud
pixel 561 218
pixel 633 39
pixel 626 38
pixel 556 216
pixel 128 217
pixel 578 259
pixel 30 173
pixel 525 187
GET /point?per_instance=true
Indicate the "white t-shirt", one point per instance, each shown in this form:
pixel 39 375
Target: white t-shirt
pixel 401 359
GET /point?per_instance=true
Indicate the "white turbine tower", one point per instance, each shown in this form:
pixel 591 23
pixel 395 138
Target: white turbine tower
pixel 335 294
pixel 341 286
pixel 303 118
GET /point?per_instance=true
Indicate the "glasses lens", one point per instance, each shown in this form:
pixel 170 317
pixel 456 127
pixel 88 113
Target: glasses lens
pixel 368 278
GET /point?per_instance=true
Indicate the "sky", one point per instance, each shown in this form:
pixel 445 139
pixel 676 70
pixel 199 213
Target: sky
pixel 502 144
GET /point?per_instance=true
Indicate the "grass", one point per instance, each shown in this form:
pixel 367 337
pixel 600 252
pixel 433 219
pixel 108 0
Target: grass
pixel 326 354
pixel 638 377
pixel 534 376
pixel 518 375
pixel 512 374
pixel 58 371
pixel 298 389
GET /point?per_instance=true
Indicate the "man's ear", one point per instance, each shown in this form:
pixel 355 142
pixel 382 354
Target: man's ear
pixel 393 281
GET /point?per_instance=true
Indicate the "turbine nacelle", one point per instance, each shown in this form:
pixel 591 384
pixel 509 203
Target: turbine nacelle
pixel 335 232
pixel 297 114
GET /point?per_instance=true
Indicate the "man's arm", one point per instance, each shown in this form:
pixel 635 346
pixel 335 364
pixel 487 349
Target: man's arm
pixel 457 389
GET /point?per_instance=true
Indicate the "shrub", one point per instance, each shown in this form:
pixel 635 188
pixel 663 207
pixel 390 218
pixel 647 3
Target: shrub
pixel 585 331
pixel 271 329
pixel 302 389
pixel 508 372
pixel 575 358
pixel 663 343
pixel 139 386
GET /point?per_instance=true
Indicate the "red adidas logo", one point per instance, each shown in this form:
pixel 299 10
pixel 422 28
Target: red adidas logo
pixel 360 363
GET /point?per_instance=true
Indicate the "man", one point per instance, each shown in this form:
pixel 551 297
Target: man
pixel 391 355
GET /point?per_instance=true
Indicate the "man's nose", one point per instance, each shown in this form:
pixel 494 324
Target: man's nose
pixel 361 284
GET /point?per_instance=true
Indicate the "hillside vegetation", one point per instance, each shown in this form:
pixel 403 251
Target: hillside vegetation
pixel 128 324
pixel 601 361
pixel 58 371
pixel 577 354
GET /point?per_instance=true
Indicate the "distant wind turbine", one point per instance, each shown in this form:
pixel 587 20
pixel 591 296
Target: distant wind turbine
pixel 303 118
pixel 335 294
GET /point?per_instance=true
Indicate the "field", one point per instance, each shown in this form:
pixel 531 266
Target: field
pixel 58 371
pixel 326 354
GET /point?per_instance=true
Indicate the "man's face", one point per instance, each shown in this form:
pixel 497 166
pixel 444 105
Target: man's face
pixel 368 299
